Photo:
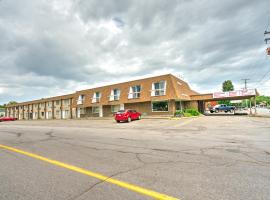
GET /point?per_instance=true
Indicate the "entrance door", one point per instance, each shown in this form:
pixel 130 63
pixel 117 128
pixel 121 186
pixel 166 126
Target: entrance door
pixel 201 107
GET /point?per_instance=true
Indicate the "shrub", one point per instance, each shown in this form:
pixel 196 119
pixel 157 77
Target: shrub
pixel 188 115
pixel 178 113
pixel 192 112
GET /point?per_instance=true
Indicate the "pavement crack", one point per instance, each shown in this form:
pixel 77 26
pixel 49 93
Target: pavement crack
pixel 103 181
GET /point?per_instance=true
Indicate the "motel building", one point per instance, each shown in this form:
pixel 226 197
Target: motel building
pixel 154 96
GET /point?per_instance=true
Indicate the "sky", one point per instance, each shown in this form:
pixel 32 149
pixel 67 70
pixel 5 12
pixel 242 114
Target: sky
pixel 55 47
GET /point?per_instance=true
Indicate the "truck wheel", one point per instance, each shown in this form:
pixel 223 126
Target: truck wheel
pixel 216 111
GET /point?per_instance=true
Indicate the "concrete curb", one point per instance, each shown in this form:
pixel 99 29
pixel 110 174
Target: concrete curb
pixel 179 118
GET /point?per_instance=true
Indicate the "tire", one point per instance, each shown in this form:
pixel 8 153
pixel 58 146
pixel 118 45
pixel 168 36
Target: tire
pixel 226 111
pixel 117 121
pixel 129 119
pixel 216 111
pixel 211 111
pixel 139 117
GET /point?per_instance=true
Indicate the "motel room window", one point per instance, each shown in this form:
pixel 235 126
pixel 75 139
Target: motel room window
pixel 96 97
pixel 115 108
pixel 158 88
pixel 57 112
pixel 160 106
pixel 49 104
pixel 66 113
pixel 95 109
pixel 134 92
pixel 42 114
pixel 66 102
pixel 115 95
pixel 81 99
pixel 57 102
pixel 82 111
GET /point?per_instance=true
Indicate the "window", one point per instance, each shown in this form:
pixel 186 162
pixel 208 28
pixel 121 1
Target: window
pixel 160 106
pixel 57 112
pixel 134 92
pixel 95 109
pixel 81 99
pixel 66 102
pixel 57 102
pixel 42 114
pixel 66 113
pixel 115 95
pixel 49 114
pixel 115 108
pixel 96 97
pixel 158 88
pixel 49 104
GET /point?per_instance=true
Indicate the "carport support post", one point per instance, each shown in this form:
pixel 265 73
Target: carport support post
pixel 250 111
pixel 255 105
pixel 52 109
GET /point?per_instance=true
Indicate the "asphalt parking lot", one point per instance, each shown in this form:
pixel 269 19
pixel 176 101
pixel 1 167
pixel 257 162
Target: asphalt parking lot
pixel 213 157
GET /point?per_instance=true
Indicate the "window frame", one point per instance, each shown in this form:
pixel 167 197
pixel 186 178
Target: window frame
pixel 159 91
pixel 94 111
pixel 159 102
pixel 115 106
pixel 115 95
pixel 134 94
pixel 96 99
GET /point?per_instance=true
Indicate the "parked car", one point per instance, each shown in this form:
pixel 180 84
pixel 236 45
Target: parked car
pixel 222 107
pixel 127 115
pixel 7 119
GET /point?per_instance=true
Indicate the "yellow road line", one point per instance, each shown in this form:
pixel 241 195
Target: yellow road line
pixel 122 184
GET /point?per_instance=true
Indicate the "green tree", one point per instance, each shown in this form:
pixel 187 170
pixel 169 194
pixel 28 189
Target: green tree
pixel 260 99
pixel 227 86
pixel 12 103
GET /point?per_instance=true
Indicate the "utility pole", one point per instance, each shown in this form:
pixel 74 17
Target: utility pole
pixel 245 81
pixel 266 39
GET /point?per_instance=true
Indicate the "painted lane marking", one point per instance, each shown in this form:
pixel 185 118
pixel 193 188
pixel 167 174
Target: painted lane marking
pixel 122 184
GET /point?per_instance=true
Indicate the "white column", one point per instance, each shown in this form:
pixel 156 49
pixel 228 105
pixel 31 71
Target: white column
pixel 100 111
pixel 122 107
pixel 78 112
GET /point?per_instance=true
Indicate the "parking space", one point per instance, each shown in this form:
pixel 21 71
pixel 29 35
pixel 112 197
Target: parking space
pixel 198 158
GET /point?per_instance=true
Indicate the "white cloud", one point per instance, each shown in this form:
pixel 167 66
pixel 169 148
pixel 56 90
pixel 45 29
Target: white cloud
pixel 54 47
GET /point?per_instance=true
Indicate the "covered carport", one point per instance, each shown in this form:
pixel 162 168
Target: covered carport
pixel 243 94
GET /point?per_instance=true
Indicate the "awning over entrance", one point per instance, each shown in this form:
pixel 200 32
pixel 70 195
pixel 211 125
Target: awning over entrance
pixel 231 95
